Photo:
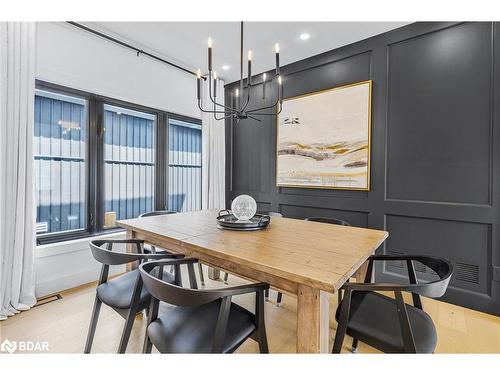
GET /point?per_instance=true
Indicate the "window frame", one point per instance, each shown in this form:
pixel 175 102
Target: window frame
pixel 188 120
pixel 94 160
pixel 83 232
pixel 100 168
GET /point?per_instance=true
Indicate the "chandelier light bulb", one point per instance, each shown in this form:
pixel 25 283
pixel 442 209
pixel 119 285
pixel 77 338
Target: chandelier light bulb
pixel 279 80
pixel 237 92
pixel 215 75
pixel 209 42
pixel 264 76
pixel 250 55
pixel 277 48
pixel 198 73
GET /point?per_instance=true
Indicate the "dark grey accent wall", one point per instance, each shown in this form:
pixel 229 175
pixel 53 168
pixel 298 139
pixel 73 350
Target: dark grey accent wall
pixel 435 161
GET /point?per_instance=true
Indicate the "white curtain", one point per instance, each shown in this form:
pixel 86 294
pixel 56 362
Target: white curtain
pixel 213 153
pixel 17 214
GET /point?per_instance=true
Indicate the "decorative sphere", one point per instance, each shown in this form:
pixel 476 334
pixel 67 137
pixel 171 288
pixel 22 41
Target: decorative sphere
pixel 244 207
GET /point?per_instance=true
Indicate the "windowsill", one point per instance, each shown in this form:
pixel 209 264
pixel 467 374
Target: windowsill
pixel 70 246
pixel 58 237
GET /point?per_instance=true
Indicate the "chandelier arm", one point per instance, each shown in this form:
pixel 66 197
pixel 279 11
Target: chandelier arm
pixel 248 100
pixel 255 118
pixel 208 111
pixel 262 114
pixel 223 117
pixel 278 101
pixel 224 106
pixel 269 114
pixel 263 108
pixel 210 96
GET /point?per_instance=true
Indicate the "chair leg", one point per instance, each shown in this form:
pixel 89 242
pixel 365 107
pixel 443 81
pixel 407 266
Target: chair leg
pixel 93 325
pixel 202 278
pixel 343 321
pixel 339 338
pixel 126 331
pixel 354 348
pixel 278 299
pixel 266 294
pixel 145 313
pixel 263 346
pixel 148 345
pixel 261 322
pixel 226 275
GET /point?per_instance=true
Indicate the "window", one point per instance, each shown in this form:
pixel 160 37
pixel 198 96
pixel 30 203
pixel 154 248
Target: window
pixel 98 160
pixel 128 163
pixel 59 150
pixel 184 165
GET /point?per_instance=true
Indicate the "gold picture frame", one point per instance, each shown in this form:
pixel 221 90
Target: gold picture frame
pixel 336 186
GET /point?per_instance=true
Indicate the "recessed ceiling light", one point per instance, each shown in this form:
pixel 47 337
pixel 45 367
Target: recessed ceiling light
pixel 225 67
pixel 304 36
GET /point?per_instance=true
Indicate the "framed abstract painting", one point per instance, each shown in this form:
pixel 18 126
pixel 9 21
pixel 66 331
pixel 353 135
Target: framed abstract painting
pixel 323 139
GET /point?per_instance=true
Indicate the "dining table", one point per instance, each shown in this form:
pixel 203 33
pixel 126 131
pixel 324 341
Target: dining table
pixel 303 258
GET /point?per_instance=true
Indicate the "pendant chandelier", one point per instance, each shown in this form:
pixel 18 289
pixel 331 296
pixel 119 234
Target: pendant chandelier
pixel 239 105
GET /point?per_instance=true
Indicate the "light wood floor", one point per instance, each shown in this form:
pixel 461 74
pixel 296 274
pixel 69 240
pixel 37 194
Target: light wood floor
pixel 63 324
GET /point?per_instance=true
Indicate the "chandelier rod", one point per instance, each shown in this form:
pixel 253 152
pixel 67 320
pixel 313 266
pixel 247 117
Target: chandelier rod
pixel 241 65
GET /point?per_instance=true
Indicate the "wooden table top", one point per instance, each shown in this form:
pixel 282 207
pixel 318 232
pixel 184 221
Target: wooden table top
pixel 318 255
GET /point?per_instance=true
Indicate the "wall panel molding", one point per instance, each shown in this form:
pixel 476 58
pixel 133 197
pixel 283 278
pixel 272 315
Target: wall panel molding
pixel 432 167
pixel 441 153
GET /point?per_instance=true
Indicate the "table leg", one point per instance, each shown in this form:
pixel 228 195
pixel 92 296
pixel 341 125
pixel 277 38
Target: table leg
pixel 360 274
pixel 129 235
pixel 213 273
pixel 313 334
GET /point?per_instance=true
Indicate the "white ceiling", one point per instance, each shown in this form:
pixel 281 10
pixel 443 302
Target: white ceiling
pixel 186 42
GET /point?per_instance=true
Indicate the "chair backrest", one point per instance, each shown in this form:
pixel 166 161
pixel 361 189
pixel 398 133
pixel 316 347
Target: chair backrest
pixel 106 255
pixel 442 268
pixel 270 213
pixel 328 220
pixel 433 289
pixel 102 250
pixel 151 273
pixel 157 213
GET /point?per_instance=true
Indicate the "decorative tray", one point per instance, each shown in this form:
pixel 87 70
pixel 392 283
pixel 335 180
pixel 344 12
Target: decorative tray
pixel 226 220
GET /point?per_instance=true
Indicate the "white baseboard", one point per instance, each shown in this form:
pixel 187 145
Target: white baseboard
pixel 56 285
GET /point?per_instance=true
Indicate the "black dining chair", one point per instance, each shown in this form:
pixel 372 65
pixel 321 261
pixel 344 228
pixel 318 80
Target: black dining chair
pixel 191 320
pixel 123 293
pixel 152 249
pixel 389 324
pixel 328 220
